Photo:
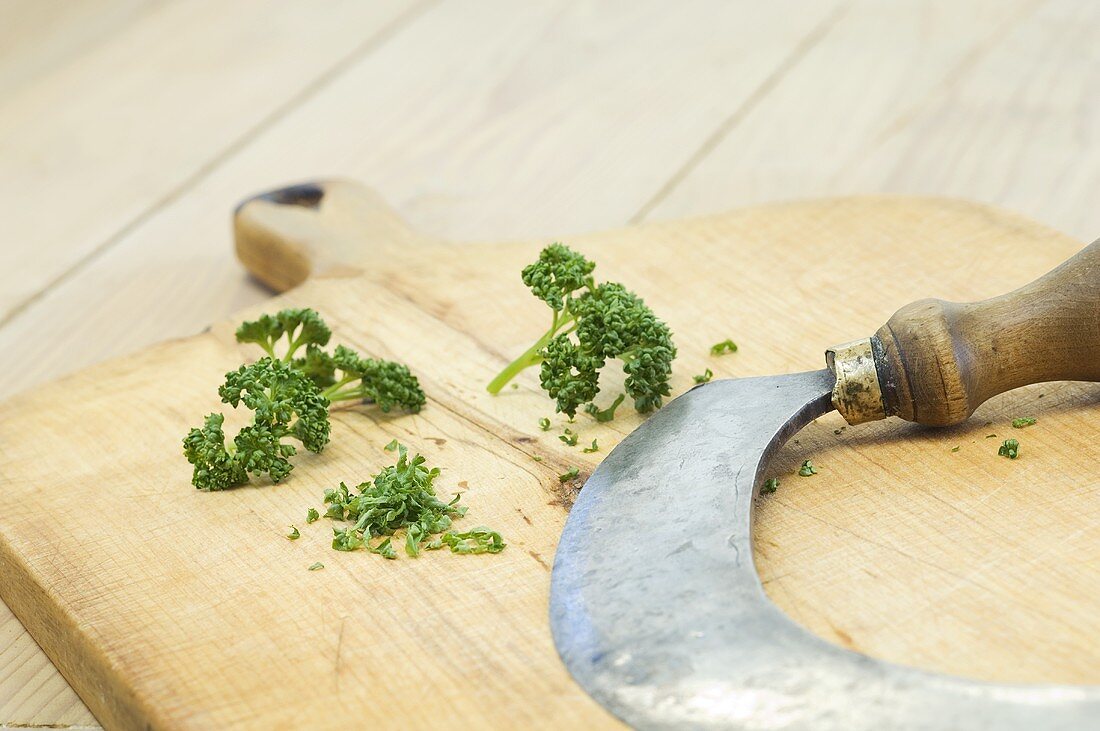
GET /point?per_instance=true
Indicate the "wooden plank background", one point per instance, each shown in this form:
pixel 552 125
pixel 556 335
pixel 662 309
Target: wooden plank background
pixel 129 128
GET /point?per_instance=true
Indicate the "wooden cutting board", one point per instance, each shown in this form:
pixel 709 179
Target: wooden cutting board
pixel 166 607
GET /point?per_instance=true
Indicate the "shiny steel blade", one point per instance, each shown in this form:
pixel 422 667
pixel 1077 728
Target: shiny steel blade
pixel 657 610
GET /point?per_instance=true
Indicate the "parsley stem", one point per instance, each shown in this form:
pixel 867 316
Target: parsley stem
pixel 294 345
pixel 331 393
pixel 531 356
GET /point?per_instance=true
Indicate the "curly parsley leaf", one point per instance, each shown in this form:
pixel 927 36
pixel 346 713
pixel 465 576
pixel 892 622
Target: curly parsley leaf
pixel 289 396
pixel 284 404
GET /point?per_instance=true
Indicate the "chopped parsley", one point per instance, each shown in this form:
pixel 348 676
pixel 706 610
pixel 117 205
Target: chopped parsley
pixel 1023 421
pixel 770 485
pixel 544 424
pixel 570 437
pixel 316 566
pixel 594 448
pixel 570 475
pixel 476 540
pixel 294 534
pixel 400 498
pixel 312 515
pixel 807 469
pixel 1009 448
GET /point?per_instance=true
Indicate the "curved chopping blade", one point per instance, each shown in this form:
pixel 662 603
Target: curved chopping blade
pixel 658 613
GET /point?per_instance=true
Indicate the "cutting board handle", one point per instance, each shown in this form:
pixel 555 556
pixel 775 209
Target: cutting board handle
pixel 935 362
pixel 328 228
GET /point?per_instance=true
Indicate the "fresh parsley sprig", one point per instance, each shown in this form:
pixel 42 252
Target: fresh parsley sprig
pixel 289 395
pixel 591 324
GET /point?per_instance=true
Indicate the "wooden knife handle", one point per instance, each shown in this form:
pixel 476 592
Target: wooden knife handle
pixel 324 228
pixel 935 362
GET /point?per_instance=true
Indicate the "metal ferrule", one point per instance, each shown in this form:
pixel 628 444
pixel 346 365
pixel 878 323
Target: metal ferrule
pixel 857 393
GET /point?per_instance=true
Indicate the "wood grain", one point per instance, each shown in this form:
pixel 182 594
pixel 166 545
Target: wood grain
pixel 526 79
pixel 37 38
pixel 205 615
pixel 462 119
pixel 984 99
pixel 33 693
pixel 120 128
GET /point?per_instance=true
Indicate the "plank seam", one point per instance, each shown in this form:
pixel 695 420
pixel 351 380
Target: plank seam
pixel 727 125
pixel 951 79
pixel 329 75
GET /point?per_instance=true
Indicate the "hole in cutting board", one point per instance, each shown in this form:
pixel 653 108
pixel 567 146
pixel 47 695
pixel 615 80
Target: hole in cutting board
pixel 963 561
pixel 306 195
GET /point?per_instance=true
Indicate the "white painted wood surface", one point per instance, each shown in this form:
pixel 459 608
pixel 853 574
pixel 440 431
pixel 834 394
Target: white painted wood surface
pixel 129 129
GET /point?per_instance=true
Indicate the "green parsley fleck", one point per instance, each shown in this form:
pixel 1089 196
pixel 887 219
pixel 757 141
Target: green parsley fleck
pixel 990 436
pixel 807 469
pixel 770 485
pixel 1023 421
pixel 594 448
pixel 294 534
pixel 726 346
pixel 570 475
pixel 1009 448
pixel 393 446
pixel 544 424
pixel 536 457
pixel 705 378
pixel 604 415
pixel 570 437
pixel 312 515
pixel 385 549
pixel 954 449
pixel 316 566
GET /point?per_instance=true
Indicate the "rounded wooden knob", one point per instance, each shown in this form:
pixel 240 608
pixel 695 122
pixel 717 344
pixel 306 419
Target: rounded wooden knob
pixel 325 228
